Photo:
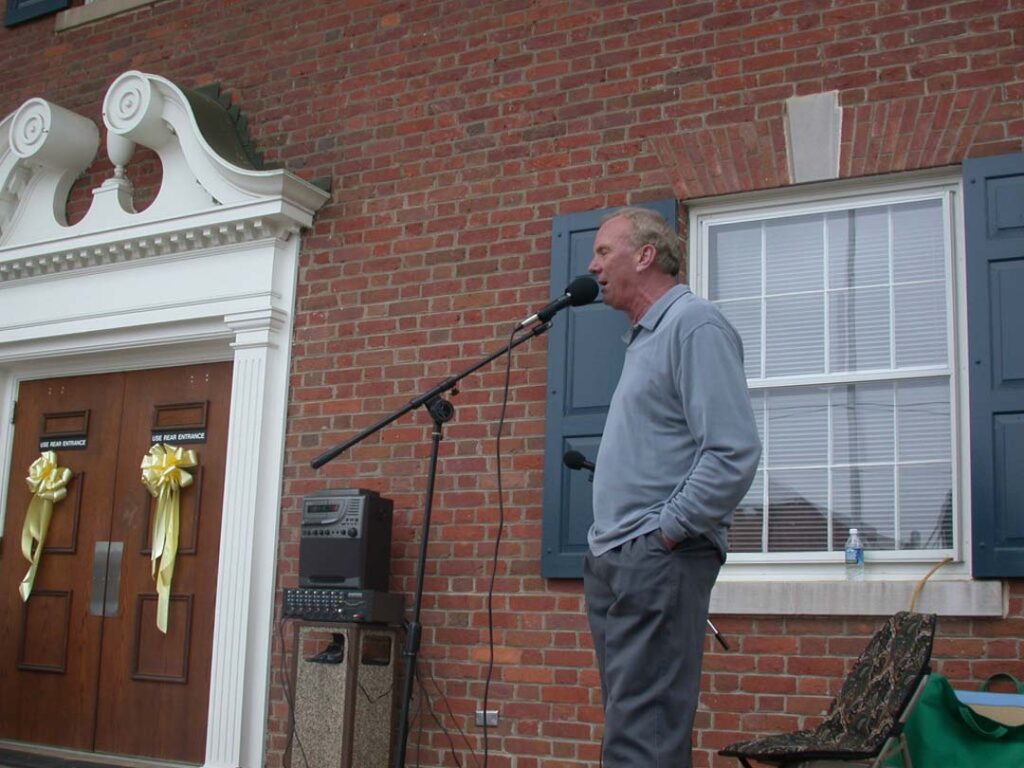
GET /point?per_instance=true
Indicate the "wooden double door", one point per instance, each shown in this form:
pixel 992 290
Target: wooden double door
pixel 82 663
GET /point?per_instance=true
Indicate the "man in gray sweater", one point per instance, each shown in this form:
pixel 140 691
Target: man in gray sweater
pixel 679 451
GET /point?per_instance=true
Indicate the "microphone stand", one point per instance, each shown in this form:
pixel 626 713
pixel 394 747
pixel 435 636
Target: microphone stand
pixel 441 411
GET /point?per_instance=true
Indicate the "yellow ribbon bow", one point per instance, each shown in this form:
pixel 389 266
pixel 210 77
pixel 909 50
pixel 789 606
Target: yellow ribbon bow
pixel 48 484
pixel 163 473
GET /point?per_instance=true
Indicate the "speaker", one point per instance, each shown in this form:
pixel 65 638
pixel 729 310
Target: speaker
pixel 346 540
pixel 346 695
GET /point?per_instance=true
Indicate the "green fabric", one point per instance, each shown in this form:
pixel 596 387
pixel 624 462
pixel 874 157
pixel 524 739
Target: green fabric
pixel 1004 676
pixel 942 732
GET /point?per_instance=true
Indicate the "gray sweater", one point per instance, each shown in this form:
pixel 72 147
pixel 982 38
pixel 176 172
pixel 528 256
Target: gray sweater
pixel 680 445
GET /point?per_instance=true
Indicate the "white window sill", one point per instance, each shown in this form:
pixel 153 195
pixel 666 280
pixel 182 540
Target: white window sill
pixel 947 597
pixel 98 9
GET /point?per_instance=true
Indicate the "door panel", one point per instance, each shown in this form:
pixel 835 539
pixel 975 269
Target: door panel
pixel 155 693
pixel 49 655
pixel 78 679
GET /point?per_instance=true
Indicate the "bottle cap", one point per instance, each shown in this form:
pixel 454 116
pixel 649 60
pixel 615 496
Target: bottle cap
pixel 853 531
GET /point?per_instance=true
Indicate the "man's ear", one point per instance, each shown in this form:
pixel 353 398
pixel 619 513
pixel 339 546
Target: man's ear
pixel 645 257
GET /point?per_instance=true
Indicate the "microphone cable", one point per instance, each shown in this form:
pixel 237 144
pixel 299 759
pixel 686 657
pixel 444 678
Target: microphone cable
pixel 289 697
pixel 425 697
pixel 497 540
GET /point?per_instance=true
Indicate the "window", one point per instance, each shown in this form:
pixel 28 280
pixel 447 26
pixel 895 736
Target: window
pixel 847 311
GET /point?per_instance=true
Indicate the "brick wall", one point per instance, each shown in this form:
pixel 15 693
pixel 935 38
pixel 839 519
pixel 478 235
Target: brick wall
pixel 453 132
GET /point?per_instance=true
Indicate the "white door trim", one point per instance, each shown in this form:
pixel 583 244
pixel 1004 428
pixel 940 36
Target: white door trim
pixel 207 272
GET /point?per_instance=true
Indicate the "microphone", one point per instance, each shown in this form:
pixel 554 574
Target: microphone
pixel 576 460
pixel 580 291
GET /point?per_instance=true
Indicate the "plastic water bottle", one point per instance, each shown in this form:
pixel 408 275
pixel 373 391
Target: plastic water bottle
pixel 854 557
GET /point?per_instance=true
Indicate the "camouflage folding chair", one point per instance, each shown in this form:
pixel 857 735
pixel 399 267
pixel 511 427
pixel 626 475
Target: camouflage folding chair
pixel 865 721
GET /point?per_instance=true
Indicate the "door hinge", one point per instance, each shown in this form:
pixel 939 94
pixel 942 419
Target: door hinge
pixel 14 412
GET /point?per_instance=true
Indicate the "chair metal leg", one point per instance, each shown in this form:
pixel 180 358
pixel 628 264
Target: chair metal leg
pixel 896 745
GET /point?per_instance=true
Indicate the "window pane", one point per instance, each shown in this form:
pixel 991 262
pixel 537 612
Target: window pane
pixel 858 247
pixel 735 251
pixel 859 329
pixel 886 449
pixel 795 335
pixel 795 254
pixel 862 498
pixel 919 243
pixel 922 417
pixel 862 424
pixel 745 533
pixel 797 428
pixel 926 506
pixel 920 324
pixel 745 317
pixel 758 401
pixel 797 510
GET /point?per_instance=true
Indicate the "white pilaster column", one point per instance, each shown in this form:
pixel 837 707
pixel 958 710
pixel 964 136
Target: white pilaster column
pixel 245 579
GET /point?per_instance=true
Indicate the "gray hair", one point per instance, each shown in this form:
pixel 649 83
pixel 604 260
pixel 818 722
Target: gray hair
pixel 649 226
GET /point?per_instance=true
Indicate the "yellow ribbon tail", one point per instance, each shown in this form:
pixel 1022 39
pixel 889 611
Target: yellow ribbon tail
pixel 164 509
pixel 33 536
pixel 165 550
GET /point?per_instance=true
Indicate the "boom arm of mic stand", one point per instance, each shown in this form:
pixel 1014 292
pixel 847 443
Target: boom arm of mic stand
pixel 424 398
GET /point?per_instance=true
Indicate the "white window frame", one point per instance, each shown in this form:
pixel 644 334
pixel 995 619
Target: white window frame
pixel 752 581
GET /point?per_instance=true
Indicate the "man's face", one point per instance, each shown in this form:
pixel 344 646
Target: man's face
pixel 615 262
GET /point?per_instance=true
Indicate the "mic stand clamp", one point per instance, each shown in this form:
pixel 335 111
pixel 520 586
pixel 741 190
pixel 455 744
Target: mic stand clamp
pixel 441 411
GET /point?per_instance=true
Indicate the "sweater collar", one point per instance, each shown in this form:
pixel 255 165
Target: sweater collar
pixel 657 310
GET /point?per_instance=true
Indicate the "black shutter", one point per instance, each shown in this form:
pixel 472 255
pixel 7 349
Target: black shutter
pixel 994 232
pixel 26 10
pixel 585 357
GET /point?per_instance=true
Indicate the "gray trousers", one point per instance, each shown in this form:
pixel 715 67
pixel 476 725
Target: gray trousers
pixel 648 608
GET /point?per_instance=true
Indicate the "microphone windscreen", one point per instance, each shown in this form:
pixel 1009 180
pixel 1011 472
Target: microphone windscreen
pixel 574 460
pixel 582 290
